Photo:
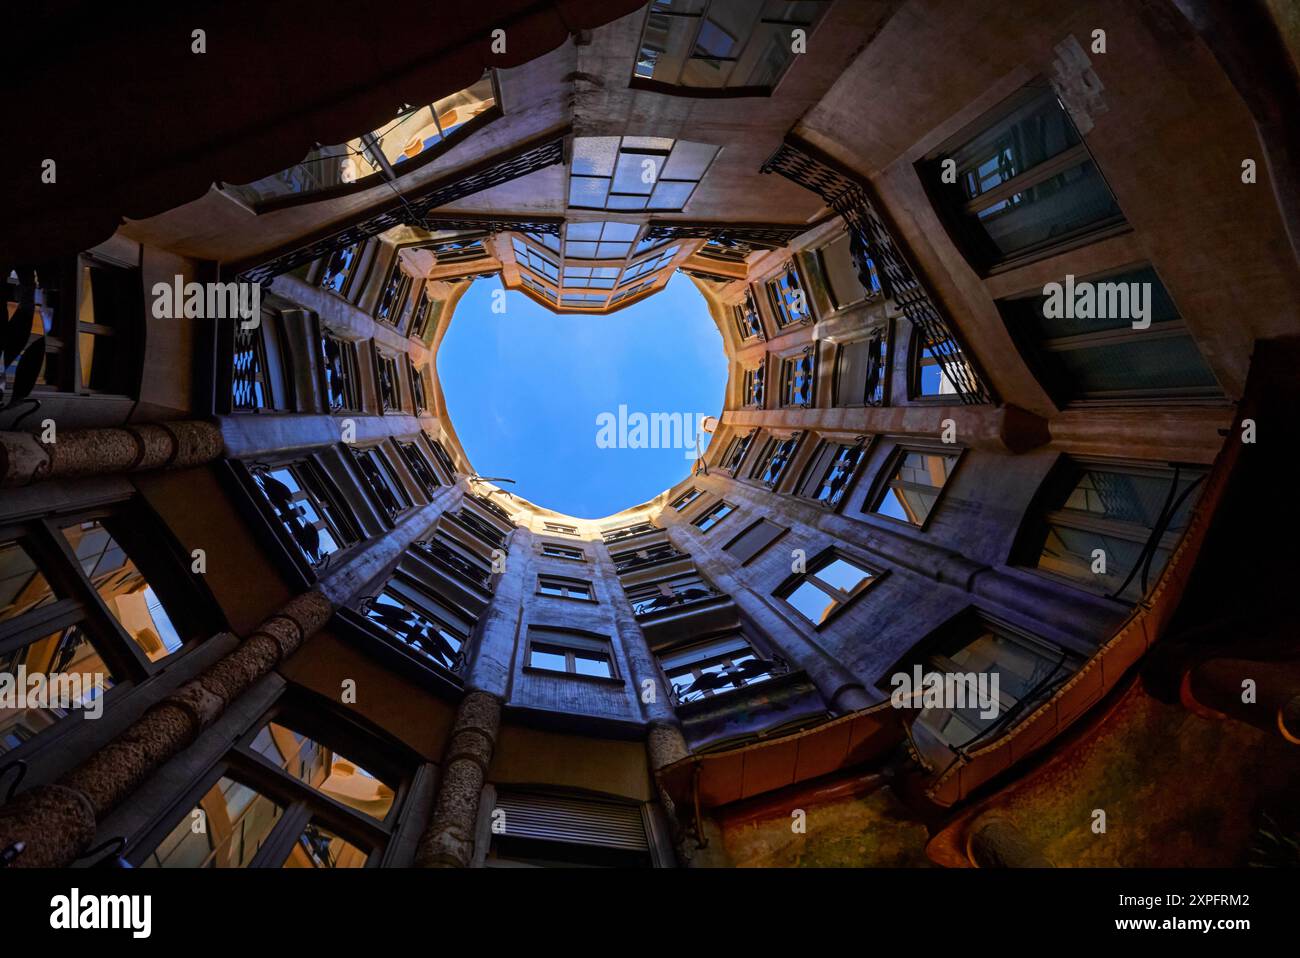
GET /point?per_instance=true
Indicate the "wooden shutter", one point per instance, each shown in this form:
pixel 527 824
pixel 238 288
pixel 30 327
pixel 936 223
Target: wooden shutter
pixel 851 373
pixel 754 540
pixel 574 821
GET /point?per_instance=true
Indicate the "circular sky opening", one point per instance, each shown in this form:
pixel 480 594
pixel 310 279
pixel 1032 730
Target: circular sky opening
pixel 589 415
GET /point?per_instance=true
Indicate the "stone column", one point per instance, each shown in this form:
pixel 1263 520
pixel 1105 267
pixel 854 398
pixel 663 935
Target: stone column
pixel 1217 688
pixel 994 842
pixel 449 840
pixel 56 823
pixel 664 746
pixel 173 445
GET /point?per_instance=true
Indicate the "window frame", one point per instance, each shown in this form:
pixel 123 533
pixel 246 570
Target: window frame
pixel 712 517
pixel 584 589
pixel 883 480
pixel 553 638
pixel 844 600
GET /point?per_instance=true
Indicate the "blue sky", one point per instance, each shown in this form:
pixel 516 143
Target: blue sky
pixel 524 389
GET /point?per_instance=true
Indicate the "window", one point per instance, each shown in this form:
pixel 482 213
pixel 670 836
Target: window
pixel 861 367
pixel 393 296
pixel 661 553
pixel 1026 184
pixel 651 597
pixel 413 137
pixel 635 172
pixel 726 663
pixel 381 480
pixel 789 301
pixel 423 313
pixel 546 830
pixel 1130 516
pixel 77 609
pixel 1101 356
pixel 561 528
pixel 1028 671
pixel 386 379
pixel 831 583
pixel 709 519
pixel 553 550
pixel 258 374
pixel 748 322
pixel 342 383
pixel 86 313
pixel 338 267
pixel 565 588
pixel 628 532
pixel 417 387
pixel 442 458
pixel 844 283
pixel 736 449
pixel 929 376
pixel 914 481
pixel 427 625
pixel 305 506
pixel 753 386
pixel 290 794
pixel 744 47
pixel 756 537
pixel 571 653
pixel 830 472
pixel 419 466
pixel 481 527
pixel 776 454
pixel 452 556
pixel 685 499
pixel 797 374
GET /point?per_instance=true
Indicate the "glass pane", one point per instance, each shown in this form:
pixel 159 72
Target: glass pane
pixel 318 847
pixel 1069 552
pixel 586 663
pixel 688 161
pixel 812 602
pixel 22 585
pixel 324 770
pixel 1064 204
pixel 224 830
pixel 76 678
pixel 1034 132
pixel 843 575
pixel 914 487
pixel 1167 364
pixel 541 659
pixel 586 191
pixel 124 589
pixel 670 195
pixel 594 155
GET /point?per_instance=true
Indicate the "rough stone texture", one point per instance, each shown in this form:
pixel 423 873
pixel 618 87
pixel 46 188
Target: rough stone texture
pixel 874 830
pixel 997 843
pixel 85 452
pixel 41 816
pixel 665 745
pixel 449 840
pixel 1216 686
pixel 114 771
pixel 22 459
pixel 55 824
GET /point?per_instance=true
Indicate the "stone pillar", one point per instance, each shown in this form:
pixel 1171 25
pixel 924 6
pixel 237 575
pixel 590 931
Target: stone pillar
pixel 172 445
pixel 994 842
pixel 664 746
pixel 449 840
pixel 1216 688
pixel 56 823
